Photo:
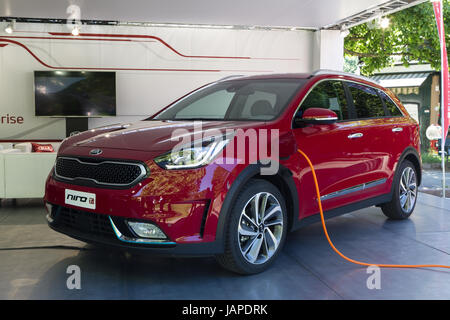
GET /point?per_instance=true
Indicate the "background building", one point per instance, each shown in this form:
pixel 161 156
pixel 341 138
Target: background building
pixel 418 87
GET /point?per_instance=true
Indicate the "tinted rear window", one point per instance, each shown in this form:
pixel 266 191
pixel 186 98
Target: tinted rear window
pixel 392 108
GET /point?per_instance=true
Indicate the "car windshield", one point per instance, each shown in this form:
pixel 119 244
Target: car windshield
pixel 246 100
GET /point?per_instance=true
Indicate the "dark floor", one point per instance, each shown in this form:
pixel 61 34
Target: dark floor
pixel 307 268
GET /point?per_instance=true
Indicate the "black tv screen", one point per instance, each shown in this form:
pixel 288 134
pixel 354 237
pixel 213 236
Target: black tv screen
pixel 75 93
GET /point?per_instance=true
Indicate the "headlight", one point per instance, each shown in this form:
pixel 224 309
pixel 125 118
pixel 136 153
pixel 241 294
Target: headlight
pixel 194 155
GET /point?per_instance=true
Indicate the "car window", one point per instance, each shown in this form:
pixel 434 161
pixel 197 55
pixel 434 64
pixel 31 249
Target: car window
pixel 366 100
pixel 246 99
pixel 327 95
pixel 259 96
pixel 392 108
pixel 214 105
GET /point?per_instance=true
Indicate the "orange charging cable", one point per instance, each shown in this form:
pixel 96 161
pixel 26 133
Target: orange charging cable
pixel 340 253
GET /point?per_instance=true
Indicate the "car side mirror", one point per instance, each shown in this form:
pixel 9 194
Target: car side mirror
pixel 316 116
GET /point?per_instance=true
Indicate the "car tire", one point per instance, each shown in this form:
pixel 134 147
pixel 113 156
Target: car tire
pixel 253 241
pixel 405 192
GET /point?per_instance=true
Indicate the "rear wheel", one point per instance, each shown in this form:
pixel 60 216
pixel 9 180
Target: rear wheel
pixel 405 193
pixel 256 229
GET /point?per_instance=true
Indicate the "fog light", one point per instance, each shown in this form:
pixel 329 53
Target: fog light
pixel 146 230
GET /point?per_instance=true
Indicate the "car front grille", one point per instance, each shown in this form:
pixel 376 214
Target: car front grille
pixel 84 222
pixel 99 172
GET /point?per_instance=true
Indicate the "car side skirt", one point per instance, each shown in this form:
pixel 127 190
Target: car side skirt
pixel 342 210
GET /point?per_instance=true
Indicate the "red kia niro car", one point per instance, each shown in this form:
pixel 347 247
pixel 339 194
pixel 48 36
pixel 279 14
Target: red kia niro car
pixel 217 172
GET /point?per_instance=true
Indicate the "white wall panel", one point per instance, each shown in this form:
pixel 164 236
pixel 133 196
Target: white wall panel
pixel 139 93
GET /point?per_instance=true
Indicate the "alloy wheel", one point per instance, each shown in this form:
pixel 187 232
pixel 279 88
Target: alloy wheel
pixel 260 228
pixel 408 190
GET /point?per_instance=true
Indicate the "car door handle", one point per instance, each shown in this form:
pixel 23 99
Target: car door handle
pixel 397 130
pixel 355 135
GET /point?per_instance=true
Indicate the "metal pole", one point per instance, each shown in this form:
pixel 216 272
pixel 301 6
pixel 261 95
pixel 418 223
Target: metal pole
pixel 441 18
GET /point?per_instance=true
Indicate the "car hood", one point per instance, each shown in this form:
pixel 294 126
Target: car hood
pixel 152 135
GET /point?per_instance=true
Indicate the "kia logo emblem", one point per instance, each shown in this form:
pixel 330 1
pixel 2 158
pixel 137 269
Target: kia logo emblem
pixel 95 152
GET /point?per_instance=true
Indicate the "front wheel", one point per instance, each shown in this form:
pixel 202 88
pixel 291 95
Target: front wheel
pixel 256 229
pixel 405 193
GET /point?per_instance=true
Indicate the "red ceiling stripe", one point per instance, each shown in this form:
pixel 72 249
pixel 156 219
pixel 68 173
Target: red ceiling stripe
pixel 141 36
pixel 107 37
pixel 119 69
pixel 83 68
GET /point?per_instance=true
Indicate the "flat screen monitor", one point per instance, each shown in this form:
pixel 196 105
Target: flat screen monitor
pixel 75 93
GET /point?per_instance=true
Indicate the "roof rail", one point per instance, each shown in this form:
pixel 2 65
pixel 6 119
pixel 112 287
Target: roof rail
pixel 231 77
pixel 341 73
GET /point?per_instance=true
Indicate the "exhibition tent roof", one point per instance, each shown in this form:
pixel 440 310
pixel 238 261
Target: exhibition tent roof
pixel 310 14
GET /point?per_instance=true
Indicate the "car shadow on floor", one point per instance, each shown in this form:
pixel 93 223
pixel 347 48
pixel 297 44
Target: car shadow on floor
pixel 116 274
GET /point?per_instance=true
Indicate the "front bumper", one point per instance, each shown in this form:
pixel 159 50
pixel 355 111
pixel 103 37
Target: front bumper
pixel 182 204
pixel 113 232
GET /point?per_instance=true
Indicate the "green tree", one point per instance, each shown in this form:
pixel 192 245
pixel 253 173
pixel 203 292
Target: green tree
pixel 411 35
pixel 351 64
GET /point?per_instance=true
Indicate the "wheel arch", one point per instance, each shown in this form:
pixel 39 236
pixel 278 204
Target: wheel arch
pixel 282 180
pixel 413 156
